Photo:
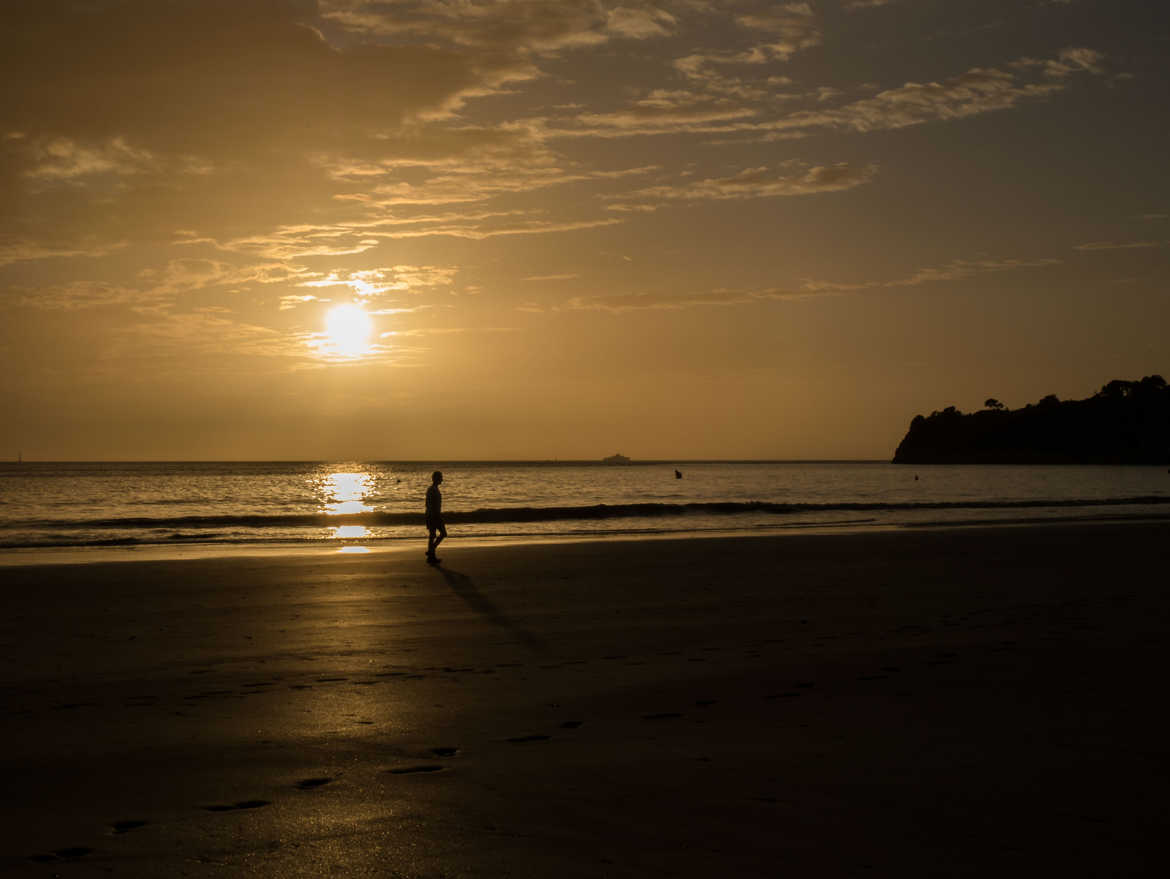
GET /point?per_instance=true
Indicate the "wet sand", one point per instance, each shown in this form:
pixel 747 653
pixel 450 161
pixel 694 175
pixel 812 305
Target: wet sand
pixel 927 702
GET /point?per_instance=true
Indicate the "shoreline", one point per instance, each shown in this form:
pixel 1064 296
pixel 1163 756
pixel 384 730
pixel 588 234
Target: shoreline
pixel 190 551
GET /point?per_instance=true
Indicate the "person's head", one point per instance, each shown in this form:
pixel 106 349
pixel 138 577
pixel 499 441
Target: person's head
pixel 437 477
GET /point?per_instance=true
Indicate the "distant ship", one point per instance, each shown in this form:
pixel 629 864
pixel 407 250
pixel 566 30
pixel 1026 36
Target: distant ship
pixel 615 459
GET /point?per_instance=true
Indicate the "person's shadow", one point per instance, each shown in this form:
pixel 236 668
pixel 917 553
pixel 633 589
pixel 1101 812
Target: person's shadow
pixel 463 586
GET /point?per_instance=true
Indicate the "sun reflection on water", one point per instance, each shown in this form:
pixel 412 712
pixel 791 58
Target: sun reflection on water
pixel 347 493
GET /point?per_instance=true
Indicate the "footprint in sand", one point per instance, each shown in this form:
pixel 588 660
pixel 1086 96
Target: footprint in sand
pixel 311 783
pixel 209 694
pixel 63 854
pixel 410 770
pixel 120 827
pixel 662 715
pixel 243 804
pixel 572 724
pixel 532 738
pixel 444 752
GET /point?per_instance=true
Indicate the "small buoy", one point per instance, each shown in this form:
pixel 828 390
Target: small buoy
pixel 677 474
pixel 915 477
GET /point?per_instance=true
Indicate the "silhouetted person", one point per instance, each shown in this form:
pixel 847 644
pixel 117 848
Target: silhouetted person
pixel 436 531
pixel 678 474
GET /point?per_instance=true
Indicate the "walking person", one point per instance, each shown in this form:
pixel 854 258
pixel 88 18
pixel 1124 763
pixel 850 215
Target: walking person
pixel 436 531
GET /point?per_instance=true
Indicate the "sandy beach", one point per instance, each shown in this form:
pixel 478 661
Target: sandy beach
pixel 964 702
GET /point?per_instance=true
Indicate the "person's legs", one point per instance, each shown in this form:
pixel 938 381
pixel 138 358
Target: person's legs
pixel 435 534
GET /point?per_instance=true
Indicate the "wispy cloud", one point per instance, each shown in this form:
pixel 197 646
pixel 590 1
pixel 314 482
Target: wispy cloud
pixel 62 159
pixel 790 179
pixel 794 25
pixel 156 288
pixel 668 301
pixel 81 295
pixel 956 270
pixel 1122 245
pixel 974 92
pixel 14 250
pixel 373 284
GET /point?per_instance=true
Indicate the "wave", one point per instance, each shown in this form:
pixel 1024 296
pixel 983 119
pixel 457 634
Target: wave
pixel 558 514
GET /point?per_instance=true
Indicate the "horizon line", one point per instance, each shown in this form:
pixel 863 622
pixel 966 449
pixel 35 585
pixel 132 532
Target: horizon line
pixel 429 461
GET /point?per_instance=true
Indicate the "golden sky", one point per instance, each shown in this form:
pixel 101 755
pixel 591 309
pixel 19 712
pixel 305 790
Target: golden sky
pixel 439 229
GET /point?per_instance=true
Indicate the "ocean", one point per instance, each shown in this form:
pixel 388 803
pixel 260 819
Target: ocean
pixel 353 504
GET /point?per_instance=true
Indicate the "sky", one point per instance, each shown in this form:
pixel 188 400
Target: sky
pixel 538 229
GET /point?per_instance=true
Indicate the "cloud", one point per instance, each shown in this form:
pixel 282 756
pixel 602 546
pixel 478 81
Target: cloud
pixel 657 116
pixel 667 301
pixel 478 178
pixel 640 24
pixel 974 92
pixel 1125 245
pixel 361 236
pixel 522 28
pixel 977 91
pixel 14 250
pixel 157 289
pixel 61 159
pixel 1067 62
pixel 373 284
pixel 955 270
pixel 532 224
pixel 195 341
pixel 80 295
pixel 292 301
pixel 792 179
pixel 794 25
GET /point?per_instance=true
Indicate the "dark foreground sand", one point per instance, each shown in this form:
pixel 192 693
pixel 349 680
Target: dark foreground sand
pixel 947 703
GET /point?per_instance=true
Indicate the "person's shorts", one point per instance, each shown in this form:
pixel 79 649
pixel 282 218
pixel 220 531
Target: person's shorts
pixel 435 523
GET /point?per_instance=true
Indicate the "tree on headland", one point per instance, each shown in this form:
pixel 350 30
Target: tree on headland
pixel 1126 422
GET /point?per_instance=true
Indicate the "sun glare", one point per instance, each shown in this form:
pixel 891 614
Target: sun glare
pixel 349 329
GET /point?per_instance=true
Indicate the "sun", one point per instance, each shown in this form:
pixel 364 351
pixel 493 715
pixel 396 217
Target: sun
pixel 348 329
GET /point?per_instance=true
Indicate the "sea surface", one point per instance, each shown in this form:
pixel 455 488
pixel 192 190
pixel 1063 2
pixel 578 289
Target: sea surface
pixel 355 504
